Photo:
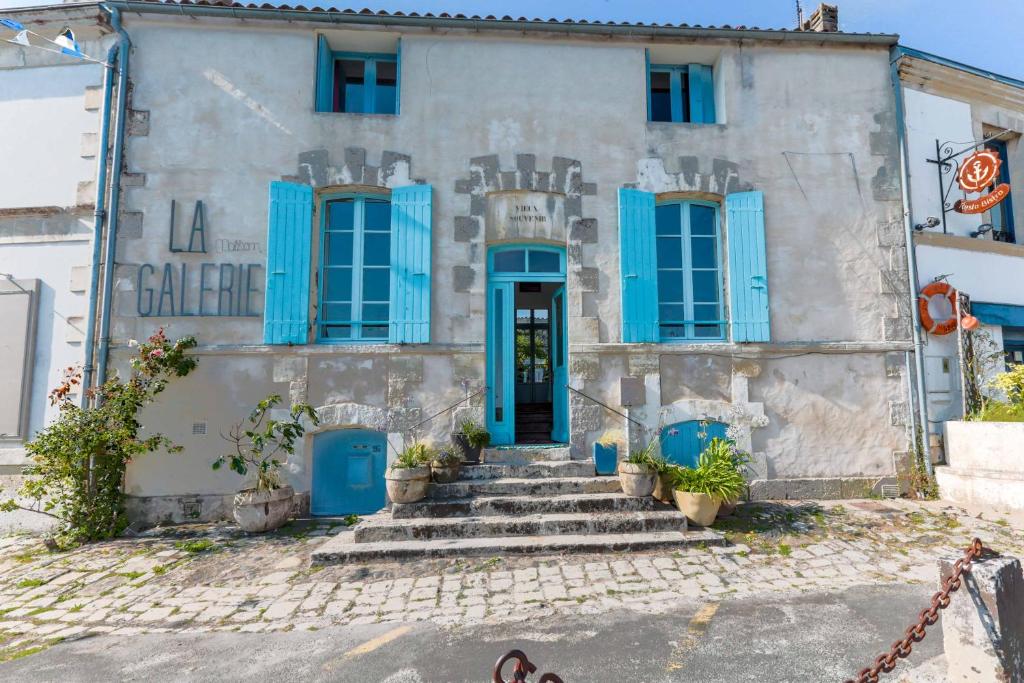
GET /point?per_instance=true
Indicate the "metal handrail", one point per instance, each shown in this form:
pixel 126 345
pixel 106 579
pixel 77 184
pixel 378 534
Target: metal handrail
pixel 442 412
pixel 609 408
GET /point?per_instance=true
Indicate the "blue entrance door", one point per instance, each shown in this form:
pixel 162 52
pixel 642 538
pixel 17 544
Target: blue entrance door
pixel 559 372
pixel 348 472
pixel 501 405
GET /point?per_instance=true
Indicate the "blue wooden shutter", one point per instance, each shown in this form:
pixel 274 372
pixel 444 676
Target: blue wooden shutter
pixel 702 93
pixel 638 263
pixel 748 267
pixel 410 265
pixel 324 76
pixel 289 226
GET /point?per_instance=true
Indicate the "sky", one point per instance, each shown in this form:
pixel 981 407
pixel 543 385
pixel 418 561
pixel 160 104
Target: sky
pixel 986 35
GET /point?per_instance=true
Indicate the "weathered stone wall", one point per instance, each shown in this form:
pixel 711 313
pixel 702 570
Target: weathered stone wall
pixel 527 115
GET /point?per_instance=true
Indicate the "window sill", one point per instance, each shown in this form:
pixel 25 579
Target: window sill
pixel 684 124
pixel 355 113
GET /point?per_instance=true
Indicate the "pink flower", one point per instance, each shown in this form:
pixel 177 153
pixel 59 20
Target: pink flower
pixel 156 353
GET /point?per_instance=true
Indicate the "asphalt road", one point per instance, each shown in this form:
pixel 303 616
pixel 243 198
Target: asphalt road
pixel 806 637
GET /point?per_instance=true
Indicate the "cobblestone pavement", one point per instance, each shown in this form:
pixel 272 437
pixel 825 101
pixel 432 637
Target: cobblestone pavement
pixel 214 578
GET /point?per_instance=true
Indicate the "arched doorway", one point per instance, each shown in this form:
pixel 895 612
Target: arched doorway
pixel 527 348
pixel 348 472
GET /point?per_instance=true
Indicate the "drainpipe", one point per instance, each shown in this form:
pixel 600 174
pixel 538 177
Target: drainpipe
pixel 115 193
pixel 908 232
pixel 98 216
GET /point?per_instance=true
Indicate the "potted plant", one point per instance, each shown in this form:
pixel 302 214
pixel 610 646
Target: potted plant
pixel 699 491
pixel 268 503
pixel 471 439
pixel 444 468
pixel 636 473
pixel 725 450
pixel 606 452
pixel 408 477
pixel 663 480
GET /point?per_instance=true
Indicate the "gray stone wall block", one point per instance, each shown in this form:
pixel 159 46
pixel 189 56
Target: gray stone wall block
pixel 890 234
pixel 585 418
pixel 897 329
pixel 898 413
pixel 583 230
pixel 508 180
pixel 586 279
pixel 526 164
pixel 487 168
pixel 463 186
pixel 129 225
pixel 85 195
pixel 93 99
pixel 133 180
pixel 585 366
pixel 463 278
pixel 313 167
pixel 542 181
pixel 468 367
pixel 138 123
pixel 467 228
pixel 895 364
pixel 88 145
pixel 371 176
pixel 641 364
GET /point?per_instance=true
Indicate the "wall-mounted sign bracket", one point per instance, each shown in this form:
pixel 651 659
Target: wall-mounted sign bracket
pixel 947 159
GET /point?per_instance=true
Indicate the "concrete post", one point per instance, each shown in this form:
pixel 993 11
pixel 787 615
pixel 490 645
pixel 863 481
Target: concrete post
pixel 983 627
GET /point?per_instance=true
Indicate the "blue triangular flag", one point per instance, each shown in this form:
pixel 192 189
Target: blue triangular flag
pixel 12 24
pixel 68 44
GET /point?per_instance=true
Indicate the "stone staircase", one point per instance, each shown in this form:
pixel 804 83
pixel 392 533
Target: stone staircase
pixel 517 500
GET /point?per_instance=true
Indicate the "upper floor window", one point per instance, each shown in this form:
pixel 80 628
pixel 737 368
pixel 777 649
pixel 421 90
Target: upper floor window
pixel 680 93
pixel 1002 213
pixel 355 269
pixel 356 82
pixel 689 271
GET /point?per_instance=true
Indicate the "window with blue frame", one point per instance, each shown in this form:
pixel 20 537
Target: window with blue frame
pixel 1002 213
pixel 680 93
pixel 355 269
pixel 689 256
pixel 356 82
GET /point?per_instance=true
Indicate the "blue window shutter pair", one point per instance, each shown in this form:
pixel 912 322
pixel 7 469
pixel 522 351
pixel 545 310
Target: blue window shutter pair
pixel 702 93
pixel 324 75
pixel 290 225
pixel 638 263
pixel 748 268
pixel 748 271
pixel 410 264
pixel 290 221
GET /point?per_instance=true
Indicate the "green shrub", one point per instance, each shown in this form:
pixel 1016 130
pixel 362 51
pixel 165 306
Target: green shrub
pixel 78 461
pixel 717 473
pixel 476 436
pixel 997 411
pixel 416 455
pixel 649 455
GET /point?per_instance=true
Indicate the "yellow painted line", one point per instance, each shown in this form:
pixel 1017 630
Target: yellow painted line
pixel 369 646
pixel 695 630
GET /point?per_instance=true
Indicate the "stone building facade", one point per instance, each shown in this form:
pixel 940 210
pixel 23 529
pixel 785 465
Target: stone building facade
pixel 500 140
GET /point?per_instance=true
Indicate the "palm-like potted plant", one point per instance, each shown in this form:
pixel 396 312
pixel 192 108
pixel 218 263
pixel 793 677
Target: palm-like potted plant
pixel 444 468
pixel 725 450
pixel 471 439
pixel 407 479
pixel 636 473
pixel 267 504
pixel 699 491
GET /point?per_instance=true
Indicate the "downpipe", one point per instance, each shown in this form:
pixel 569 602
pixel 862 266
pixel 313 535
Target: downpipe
pixel 908 232
pixel 110 253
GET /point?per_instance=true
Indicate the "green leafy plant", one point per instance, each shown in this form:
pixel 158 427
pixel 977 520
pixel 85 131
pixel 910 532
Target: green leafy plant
pixel 199 545
pixel 449 456
pixel 649 455
pixel 78 461
pixel 714 476
pixel 475 435
pixel 416 455
pixel 258 447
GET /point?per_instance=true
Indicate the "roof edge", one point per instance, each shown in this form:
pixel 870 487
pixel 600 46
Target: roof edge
pixel 317 15
pixel 902 51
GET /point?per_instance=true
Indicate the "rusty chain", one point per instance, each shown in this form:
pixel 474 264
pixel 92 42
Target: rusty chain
pixel 915 633
pixel 523 668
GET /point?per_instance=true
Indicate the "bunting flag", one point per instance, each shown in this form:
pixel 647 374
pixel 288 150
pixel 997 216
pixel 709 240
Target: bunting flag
pixel 12 24
pixel 21 39
pixel 67 43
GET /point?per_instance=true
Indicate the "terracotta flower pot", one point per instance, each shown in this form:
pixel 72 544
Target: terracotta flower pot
pixel 637 480
pixel 444 474
pixel 699 508
pixel 728 507
pixel 259 511
pixel 407 484
pixel 663 488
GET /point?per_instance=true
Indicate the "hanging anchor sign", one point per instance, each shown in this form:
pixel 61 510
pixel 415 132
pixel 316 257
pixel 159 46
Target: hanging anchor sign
pixel 979 171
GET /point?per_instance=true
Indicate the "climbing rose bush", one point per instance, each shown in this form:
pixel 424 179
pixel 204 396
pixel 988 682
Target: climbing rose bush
pixel 78 462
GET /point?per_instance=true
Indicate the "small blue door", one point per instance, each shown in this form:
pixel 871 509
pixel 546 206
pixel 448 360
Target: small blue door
pixel 348 472
pixel 559 374
pixel 501 404
pixel 683 442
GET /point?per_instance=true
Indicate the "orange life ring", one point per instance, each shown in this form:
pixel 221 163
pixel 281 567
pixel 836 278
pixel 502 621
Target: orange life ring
pixel 945 326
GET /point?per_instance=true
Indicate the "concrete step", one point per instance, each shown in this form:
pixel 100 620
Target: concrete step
pixel 525 505
pixel 513 455
pixel 384 528
pixel 551 486
pixel 999 489
pixel 533 470
pixel 342 549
